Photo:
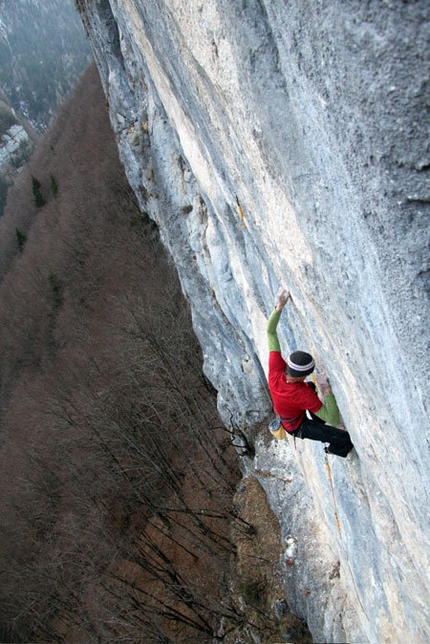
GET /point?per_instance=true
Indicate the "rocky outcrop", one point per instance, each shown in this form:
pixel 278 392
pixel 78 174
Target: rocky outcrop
pixel 17 142
pixel 13 141
pixel 312 114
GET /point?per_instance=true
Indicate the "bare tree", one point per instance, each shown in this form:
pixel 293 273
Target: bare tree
pixel 117 480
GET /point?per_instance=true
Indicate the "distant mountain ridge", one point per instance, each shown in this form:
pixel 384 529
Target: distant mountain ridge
pixel 43 50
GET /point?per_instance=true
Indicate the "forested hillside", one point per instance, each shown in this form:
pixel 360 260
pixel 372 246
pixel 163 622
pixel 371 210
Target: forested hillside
pixel 121 519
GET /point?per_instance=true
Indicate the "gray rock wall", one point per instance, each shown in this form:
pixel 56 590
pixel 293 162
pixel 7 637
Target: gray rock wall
pixel 314 115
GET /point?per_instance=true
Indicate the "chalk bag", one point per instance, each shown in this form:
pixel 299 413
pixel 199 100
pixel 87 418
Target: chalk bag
pixel 277 429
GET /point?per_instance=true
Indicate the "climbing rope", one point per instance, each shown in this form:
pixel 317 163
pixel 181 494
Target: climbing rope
pixel 329 474
pixel 336 515
pixel 330 478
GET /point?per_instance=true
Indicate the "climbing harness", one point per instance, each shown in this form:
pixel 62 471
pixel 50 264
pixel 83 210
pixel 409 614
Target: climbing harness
pixel 239 207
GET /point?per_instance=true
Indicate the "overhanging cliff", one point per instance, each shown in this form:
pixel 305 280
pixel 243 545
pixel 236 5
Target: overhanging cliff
pixel 313 114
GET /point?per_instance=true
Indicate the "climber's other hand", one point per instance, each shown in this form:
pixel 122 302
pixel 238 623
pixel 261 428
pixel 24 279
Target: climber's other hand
pixel 323 383
pixel 283 296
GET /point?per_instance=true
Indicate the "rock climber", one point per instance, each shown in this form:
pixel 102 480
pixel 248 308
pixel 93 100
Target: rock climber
pixel 292 396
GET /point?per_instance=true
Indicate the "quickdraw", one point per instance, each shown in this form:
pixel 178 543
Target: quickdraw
pixel 239 207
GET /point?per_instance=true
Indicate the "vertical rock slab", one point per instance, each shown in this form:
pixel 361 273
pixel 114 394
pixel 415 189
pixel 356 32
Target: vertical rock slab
pixel 312 114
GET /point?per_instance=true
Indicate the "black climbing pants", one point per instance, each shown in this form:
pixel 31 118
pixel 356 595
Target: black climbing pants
pixel 315 429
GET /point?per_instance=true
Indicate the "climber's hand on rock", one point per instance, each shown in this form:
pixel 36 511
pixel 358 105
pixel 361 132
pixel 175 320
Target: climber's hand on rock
pixel 283 296
pixel 323 383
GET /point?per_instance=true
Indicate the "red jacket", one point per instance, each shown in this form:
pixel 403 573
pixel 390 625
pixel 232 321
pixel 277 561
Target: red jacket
pixel 290 400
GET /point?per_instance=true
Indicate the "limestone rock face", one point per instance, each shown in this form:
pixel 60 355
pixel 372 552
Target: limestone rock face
pixel 313 115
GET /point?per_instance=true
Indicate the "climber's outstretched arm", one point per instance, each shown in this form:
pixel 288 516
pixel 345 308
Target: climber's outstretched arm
pixel 272 336
pixel 329 411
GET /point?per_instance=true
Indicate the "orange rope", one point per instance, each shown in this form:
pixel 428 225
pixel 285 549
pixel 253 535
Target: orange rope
pixel 336 515
pixel 330 475
pixel 330 478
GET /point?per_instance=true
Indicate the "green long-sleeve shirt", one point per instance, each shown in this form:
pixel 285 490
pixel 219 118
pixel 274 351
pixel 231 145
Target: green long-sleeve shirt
pixel 329 412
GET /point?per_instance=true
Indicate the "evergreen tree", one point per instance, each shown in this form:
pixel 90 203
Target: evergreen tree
pixel 56 290
pixel 20 239
pixel 54 185
pixel 39 199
